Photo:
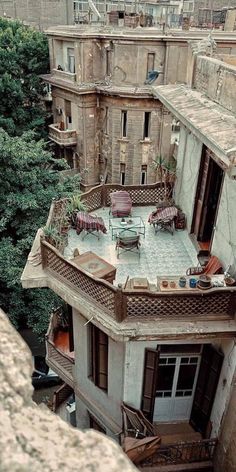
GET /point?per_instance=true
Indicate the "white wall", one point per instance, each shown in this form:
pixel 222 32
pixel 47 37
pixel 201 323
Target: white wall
pixel 224 385
pixel 224 242
pixel 134 366
pixel 101 404
pixel 188 163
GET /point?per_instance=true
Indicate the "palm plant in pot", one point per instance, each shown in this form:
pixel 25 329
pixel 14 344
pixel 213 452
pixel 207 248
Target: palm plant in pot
pixel 166 174
pixel 74 205
pixel 53 237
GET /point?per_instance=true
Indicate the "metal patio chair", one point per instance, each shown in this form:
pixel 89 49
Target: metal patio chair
pixel 128 241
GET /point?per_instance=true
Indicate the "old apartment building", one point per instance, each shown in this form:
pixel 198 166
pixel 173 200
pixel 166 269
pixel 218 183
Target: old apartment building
pixel 167 352
pixel 107 121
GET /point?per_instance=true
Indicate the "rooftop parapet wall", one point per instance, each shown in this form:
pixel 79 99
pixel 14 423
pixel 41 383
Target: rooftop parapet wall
pixel 217 80
pixel 34 439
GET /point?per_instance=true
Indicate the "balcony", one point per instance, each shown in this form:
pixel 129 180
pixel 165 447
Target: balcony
pixel 162 255
pixel 63 138
pixel 58 356
pixel 64 75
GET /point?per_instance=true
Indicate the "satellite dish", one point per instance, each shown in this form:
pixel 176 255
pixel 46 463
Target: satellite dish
pixel 93 8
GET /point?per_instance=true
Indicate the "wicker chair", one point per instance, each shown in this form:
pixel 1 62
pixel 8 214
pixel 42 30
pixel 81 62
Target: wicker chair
pixel 128 241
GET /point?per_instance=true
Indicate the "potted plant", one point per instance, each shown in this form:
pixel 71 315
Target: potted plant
pixel 53 237
pixel 166 174
pixel 65 225
pixel 74 205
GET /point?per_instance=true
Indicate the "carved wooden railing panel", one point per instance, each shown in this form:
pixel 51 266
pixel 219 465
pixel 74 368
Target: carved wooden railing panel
pixel 216 304
pixel 182 306
pixel 182 453
pixel 141 195
pixel 60 395
pixel 93 199
pixel 98 291
pixel 58 360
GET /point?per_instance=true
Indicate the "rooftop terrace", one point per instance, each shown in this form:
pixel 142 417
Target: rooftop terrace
pixel 161 254
pixel 118 306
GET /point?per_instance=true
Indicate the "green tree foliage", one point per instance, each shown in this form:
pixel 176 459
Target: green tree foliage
pixel 23 56
pixel 29 179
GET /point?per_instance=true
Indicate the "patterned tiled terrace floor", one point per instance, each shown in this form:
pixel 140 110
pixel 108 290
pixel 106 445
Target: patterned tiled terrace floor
pixel 161 254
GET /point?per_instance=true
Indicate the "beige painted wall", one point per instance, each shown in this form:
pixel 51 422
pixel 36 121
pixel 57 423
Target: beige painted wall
pixel 224 242
pixel 225 458
pixel 217 80
pixel 188 162
pixel 105 406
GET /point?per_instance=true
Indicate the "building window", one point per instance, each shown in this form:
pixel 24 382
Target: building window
pixel 122 174
pixel 106 120
pixel 95 424
pixel 98 357
pixel 71 60
pixel 108 62
pixel 146 125
pixel 143 178
pixel 124 123
pixel 68 114
pixel 150 62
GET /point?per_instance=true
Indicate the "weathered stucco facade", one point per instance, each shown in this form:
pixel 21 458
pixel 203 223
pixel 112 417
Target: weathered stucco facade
pixel 39 14
pixel 125 336
pixel 101 95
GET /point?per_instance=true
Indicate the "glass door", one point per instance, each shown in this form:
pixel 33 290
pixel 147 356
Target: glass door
pixel 176 382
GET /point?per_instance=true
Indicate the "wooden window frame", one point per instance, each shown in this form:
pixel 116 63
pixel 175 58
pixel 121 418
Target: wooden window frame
pixel 122 174
pixel 143 176
pixel 150 62
pixel 124 123
pixel 69 55
pixel 98 350
pixel 147 125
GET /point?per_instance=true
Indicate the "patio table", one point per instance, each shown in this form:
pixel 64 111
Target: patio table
pixel 90 223
pixel 132 224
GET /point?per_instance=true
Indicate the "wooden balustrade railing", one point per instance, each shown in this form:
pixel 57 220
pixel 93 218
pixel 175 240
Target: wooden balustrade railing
pixel 58 360
pixel 120 304
pixel 98 291
pixel 182 453
pixel 60 395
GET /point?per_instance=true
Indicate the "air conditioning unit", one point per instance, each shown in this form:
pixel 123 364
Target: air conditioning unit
pixel 71 413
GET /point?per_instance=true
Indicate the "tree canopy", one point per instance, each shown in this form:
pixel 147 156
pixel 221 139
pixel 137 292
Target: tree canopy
pixel 29 179
pixel 23 56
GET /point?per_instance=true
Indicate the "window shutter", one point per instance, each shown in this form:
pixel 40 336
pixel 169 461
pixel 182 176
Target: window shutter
pixel 207 382
pixel 102 359
pixel 149 382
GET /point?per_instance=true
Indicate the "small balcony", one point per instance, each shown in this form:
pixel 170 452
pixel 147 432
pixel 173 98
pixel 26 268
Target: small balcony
pixel 58 354
pixel 62 137
pixel 64 75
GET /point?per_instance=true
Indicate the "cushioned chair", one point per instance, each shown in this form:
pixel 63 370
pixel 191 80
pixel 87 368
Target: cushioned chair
pixel 213 266
pixel 121 203
pixel 128 241
pixel 163 218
